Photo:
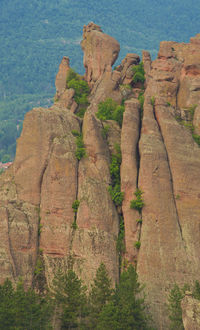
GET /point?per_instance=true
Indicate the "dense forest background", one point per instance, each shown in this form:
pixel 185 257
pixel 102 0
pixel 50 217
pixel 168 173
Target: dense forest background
pixel 36 34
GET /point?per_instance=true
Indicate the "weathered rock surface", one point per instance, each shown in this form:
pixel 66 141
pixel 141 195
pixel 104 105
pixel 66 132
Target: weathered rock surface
pixel 100 52
pixel 159 156
pixel 61 77
pixel 190 313
pixel 169 177
pixel 129 175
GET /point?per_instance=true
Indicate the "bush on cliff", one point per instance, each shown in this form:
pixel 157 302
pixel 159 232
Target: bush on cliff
pixel 110 110
pixel 138 73
pixel 115 187
pixel 80 87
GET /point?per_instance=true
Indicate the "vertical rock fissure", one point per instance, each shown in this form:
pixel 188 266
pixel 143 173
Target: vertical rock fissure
pixel 170 172
pixel 14 264
pixel 74 224
pixel 138 172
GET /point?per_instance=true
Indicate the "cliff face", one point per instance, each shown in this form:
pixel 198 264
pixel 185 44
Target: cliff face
pixel 159 156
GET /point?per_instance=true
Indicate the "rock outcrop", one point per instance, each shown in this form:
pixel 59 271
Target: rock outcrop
pixel 190 312
pixel 100 52
pixel 160 158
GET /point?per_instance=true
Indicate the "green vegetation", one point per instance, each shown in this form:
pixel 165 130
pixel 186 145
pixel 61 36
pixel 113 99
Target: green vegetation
pixel 104 307
pixel 99 295
pixel 105 131
pixel 75 205
pixel 137 203
pixel 70 297
pixel 175 312
pixel 137 244
pixel 138 73
pixel 153 101
pixel 174 303
pixel 23 309
pixel 75 133
pixel 109 110
pixel 189 124
pixel 115 188
pixel 35 37
pixel 80 148
pixel 141 100
pixel 80 87
pixel 126 309
pixel 139 221
pixel 120 240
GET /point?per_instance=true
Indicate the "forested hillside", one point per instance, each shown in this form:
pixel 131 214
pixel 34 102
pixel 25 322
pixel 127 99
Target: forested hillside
pixel 34 36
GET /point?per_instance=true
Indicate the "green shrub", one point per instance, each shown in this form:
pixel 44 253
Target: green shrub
pixel 80 148
pixel 120 240
pixel 118 114
pixel 74 225
pixel 138 73
pixel 141 100
pixel 139 220
pixel 115 189
pixel 104 131
pixel 196 290
pixel 137 203
pixel 80 87
pixel 137 244
pixel 75 132
pixel 196 138
pixel 153 101
pixel 192 110
pixel 75 205
pixel 81 90
pixel 80 113
pixel 109 110
pixel 71 75
pixel 116 194
pixel 106 109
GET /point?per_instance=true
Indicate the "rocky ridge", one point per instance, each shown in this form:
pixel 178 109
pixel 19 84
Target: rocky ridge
pixel 159 156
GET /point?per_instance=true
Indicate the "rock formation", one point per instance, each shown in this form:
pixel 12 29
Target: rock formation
pixel 160 157
pixel 190 312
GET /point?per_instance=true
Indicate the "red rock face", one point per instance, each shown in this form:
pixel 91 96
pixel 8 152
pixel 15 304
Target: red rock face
pixel 169 176
pixel 129 175
pixel 159 156
pixel 100 52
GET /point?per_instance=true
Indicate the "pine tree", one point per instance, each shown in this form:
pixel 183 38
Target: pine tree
pixel 126 309
pixel 23 309
pixel 7 319
pixel 70 296
pixel 175 312
pixel 99 295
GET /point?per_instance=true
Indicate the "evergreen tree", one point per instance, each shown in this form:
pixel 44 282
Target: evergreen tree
pixel 100 294
pixel 70 296
pixel 21 309
pixel 126 310
pixel 7 318
pixel 175 312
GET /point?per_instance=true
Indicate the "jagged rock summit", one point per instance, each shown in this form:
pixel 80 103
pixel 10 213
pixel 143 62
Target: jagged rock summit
pixel 160 162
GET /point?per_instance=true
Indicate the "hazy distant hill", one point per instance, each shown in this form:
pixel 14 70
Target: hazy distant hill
pixel 34 35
